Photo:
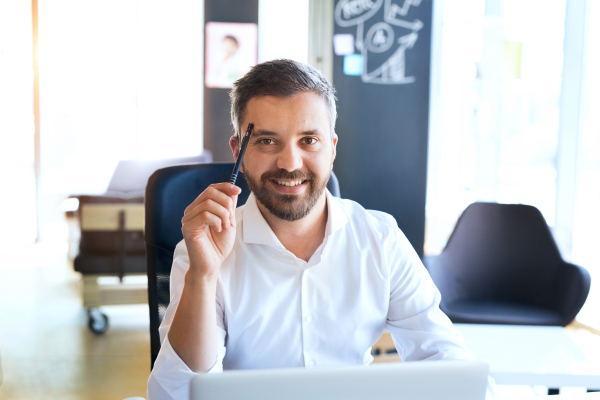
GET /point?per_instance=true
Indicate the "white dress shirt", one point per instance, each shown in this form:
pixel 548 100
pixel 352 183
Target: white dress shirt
pixel 275 310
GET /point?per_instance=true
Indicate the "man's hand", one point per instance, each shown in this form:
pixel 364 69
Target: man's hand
pixel 209 227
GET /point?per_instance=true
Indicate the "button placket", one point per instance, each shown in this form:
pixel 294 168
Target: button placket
pixel 302 311
pixel 306 319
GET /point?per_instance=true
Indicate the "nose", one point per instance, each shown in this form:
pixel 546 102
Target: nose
pixel 290 158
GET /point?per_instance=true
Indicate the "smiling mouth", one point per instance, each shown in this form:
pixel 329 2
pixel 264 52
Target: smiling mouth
pixel 288 183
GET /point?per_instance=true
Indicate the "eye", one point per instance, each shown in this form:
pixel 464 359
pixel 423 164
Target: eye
pixel 309 140
pixel 265 141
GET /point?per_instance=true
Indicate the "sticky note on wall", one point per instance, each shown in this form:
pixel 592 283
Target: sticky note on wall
pixel 353 64
pixel 343 44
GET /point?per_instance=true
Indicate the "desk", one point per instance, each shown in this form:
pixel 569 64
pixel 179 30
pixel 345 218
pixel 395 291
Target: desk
pixel 586 396
pixel 537 355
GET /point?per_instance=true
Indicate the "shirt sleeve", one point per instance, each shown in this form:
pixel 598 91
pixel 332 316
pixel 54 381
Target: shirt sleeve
pixel 419 329
pixel 170 378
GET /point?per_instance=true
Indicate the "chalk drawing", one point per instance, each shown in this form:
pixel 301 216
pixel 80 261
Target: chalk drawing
pixel 381 36
pixel 354 12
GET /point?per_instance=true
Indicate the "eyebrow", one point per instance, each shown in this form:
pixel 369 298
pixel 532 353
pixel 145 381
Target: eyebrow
pixel 262 132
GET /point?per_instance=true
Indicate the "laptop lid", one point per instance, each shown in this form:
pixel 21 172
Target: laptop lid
pixel 423 380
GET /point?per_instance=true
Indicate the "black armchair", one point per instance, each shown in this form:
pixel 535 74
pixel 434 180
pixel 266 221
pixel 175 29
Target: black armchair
pixel 169 192
pixel 502 266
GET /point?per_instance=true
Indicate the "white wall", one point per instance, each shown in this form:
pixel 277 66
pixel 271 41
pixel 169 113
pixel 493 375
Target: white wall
pixel 283 30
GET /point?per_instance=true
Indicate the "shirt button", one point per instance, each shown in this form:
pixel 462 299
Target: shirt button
pixel 309 318
pixel 311 364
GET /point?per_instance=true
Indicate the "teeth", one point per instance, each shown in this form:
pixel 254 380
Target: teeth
pixel 286 183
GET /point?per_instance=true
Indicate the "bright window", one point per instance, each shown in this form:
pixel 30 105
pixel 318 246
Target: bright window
pixel 120 79
pixel 17 179
pixel 586 229
pixel 494 134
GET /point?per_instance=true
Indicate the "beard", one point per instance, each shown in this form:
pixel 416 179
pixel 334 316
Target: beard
pixel 288 207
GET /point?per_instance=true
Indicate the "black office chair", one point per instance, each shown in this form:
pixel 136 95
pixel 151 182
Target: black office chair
pixel 502 266
pixel 169 191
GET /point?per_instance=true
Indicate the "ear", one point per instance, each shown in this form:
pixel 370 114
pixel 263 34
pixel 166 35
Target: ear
pixel 235 149
pixel 334 141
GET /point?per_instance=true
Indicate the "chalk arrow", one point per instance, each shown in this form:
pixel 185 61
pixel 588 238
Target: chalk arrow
pixel 408 41
pixel 359 37
pixel 413 26
pixel 396 9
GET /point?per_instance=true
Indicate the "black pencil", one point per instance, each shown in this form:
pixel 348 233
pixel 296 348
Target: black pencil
pixel 238 162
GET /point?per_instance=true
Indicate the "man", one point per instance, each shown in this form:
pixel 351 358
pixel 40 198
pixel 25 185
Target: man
pixel 295 277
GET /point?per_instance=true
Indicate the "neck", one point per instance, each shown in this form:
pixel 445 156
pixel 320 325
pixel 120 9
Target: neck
pixel 301 237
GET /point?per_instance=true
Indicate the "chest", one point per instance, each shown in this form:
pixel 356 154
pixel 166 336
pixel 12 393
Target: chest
pixel 337 293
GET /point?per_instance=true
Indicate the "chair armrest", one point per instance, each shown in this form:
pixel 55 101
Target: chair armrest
pixel 431 265
pixel 572 288
pixel 428 260
pixel 434 266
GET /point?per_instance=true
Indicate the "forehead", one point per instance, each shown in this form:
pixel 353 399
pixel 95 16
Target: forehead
pixel 305 111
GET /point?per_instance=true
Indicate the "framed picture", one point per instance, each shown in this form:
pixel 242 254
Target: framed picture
pixel 231 49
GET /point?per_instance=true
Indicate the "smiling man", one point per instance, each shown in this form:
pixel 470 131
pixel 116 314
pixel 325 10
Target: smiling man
pixel 295 277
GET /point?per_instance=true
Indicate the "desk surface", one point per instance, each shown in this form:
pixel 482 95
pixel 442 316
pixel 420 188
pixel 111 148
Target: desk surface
pixel 537 355
pixel 585 396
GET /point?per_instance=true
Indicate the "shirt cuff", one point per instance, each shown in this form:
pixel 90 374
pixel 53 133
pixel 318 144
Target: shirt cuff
pixel 170 378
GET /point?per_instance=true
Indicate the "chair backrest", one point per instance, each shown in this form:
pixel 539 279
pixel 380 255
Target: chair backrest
pixel 501 252
pixel 169 191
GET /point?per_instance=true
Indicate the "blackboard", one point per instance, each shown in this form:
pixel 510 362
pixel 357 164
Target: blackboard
pixel 383 111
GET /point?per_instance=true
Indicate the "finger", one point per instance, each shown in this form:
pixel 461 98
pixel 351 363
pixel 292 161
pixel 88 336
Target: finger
pixel 212 207
pixel 228 188
pixel 203 220
pixel 210 193
pixel 219 192
pixel 207 205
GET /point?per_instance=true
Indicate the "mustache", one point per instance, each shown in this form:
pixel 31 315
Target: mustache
pixel 284 174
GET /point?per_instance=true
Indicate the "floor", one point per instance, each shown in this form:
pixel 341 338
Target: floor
pixel 47 351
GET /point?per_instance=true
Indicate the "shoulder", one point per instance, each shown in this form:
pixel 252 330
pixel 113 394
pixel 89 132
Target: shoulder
pixel 377 222
pixel 378 232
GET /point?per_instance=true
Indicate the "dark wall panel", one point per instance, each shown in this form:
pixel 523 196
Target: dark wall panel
pixel 383 112
pixel 217 125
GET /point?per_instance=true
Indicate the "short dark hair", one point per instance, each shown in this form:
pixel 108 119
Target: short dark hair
pixel 280 78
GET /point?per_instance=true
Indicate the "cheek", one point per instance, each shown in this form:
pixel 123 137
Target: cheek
pixel 320 163
pixel 258 163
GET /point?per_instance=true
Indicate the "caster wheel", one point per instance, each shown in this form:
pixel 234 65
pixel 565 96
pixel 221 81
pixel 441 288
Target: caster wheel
pixel 97 321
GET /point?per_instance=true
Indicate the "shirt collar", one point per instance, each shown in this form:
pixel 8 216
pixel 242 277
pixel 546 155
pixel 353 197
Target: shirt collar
pixel 256 229
pixel 336 218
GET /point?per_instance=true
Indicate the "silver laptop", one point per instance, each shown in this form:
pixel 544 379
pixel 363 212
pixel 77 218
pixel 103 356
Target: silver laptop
pixel 423 380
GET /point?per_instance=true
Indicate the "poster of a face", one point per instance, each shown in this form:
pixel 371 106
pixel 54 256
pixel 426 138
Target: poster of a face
pixel 231 50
